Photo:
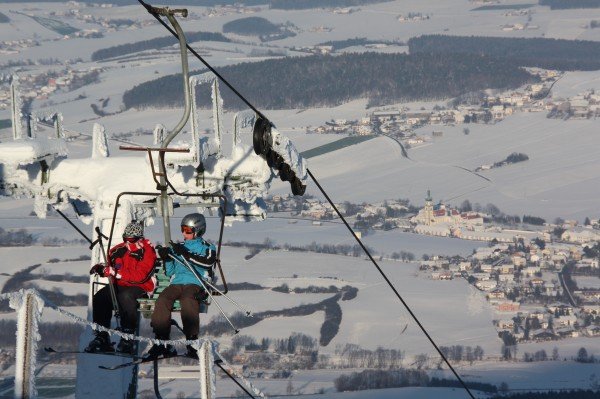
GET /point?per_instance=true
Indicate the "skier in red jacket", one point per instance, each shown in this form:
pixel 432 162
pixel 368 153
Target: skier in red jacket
pixel 131 268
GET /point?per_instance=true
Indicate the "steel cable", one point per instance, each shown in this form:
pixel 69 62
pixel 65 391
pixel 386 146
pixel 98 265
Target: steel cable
pixel 241 97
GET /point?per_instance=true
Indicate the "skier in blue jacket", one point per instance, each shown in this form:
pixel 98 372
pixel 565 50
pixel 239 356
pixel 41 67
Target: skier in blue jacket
pixel 185 286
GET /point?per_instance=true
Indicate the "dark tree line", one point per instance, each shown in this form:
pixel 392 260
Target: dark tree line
pixel 336 249
pixel 564 4
pixel 59 335
pixel 321 80
pixel 457 353
pixel 304 4
pixel 357 41
pixel 18 238
pixel 535 220
pixel 280 4
pixel 533 52
pixel 573 394
pixel 516 157
pixel 253 26
pixel 353 356
pixel 380 379
pixel 154 44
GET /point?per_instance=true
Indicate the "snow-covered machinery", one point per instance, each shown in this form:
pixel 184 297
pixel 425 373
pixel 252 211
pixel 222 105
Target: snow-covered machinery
pixel 195 173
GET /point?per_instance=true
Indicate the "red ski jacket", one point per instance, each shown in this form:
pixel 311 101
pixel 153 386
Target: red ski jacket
pixel 134 264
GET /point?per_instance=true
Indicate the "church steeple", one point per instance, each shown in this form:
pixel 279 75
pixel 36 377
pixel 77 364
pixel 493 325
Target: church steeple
pixel 428 209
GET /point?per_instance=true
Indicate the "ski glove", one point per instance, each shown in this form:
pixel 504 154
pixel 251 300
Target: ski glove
pixel 137 255
pixel 163 252
pixel 97 269
pixel 179 249
pixel 118 253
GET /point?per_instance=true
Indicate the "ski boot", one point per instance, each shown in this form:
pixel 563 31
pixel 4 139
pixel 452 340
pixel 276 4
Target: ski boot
pixel 191 351
pixel 100 343
pixel 158 350
pixel 127 346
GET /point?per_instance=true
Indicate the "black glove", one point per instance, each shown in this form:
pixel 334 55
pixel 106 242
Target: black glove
pixel 163 252
pixel 97 269
pixel 179 249
pixel 118 253
pixel 138 255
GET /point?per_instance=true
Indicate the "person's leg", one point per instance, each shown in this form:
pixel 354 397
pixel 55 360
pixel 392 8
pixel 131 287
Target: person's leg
pixel 161 317
pixel 127 298
pixel 190 308
pixel 102 309
pixel 161 320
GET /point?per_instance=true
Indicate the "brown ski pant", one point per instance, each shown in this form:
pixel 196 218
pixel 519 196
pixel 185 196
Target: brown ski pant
pixel 188 295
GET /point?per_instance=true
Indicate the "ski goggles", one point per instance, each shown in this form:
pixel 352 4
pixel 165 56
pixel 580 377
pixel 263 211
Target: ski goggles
pixel 187 230
pixel 130 239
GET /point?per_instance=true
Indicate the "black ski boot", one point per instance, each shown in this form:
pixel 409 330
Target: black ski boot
pixel 127 345
pixel 158 350
pixel 191 351
pixel 100 343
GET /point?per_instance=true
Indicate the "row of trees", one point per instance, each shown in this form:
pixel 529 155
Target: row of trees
pixel 278 4
pixel 17 238
pixel 380 379
pixel 305 4
pixel 154 44
pixel 354 356
pixel 251 26
pixel 564 4
pixel 321 80
pixel 336 249
pixel 458 353
pixel 525 52
pixel 59 335
pixel 357 41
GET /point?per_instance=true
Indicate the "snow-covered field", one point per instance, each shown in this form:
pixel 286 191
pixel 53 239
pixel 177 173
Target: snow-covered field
pixel 560 179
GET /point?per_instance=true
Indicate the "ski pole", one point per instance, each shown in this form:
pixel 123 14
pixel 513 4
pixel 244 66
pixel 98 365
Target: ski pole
pixel 73 225
pixel 186 264
pixel 111 288
pixel 248 312
pixel 113 295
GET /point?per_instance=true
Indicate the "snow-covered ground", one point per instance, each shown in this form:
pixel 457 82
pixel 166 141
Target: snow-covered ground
pixel 560 179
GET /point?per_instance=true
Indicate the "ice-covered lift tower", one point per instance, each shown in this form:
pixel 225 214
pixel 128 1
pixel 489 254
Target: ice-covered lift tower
pixel 39 167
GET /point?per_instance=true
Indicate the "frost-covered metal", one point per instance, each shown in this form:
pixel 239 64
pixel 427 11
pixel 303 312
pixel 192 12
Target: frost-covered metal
pixel 16 106
pixel 29 307
pixel 99 142
pixel 207 373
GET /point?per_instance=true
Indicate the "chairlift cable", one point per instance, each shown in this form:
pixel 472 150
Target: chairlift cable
pixel 241 97
pixel 390 284
pixel 218 363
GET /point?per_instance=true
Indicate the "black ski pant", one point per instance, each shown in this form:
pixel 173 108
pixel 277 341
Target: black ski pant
pixel 188 295
pixel 127 300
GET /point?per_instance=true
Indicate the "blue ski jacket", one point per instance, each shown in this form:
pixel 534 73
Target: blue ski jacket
pixel 198 253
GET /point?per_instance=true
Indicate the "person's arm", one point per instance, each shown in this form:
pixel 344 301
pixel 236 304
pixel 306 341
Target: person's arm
pixel 140 264
pixel 204 258
pixel 116 254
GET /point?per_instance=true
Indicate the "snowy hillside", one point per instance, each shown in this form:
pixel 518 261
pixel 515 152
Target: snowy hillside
pixel 561 179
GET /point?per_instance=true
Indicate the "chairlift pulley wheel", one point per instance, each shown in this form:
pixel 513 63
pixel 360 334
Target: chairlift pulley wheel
pixel 261 137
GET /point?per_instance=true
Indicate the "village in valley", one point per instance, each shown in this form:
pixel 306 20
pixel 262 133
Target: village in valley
pixel 542 279
pixel 402 122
